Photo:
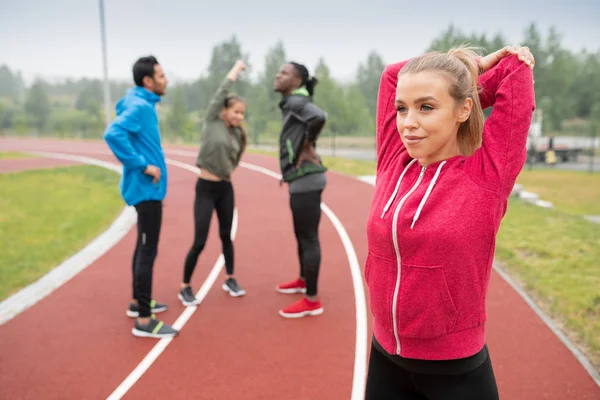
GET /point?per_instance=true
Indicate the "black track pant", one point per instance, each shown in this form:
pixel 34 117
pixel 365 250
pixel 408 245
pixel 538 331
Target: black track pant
pixel 149 219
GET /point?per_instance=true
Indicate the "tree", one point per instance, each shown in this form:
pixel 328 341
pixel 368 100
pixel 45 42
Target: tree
pixel 178 122
pixel 90 100
pixel 263 111
pixel 274 59
pixel 224 56
pixel 37 105
pixel 11 84
pixel 346 107
pixel 368 77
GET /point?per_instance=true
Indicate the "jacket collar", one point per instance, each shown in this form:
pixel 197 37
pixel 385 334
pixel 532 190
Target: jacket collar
pixel 145 94
pixel 298 93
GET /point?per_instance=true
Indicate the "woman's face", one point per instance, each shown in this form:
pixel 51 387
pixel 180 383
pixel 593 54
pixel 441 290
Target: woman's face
pixel 428 117
pixel 234 115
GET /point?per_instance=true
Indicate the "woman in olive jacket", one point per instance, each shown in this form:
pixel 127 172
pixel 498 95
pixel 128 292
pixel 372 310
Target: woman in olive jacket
pixel 223 142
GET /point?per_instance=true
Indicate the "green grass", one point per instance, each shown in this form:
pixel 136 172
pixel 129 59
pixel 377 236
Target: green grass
pixel 574 192
pixel 556 257
pixel 46 216
pixel 4 155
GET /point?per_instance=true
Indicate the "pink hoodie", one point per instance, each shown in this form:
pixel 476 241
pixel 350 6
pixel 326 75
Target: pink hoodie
pixel 432 230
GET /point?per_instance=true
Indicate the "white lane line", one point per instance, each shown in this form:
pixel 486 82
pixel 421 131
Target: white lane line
pixel 360 358
pixel 162 344
pixel 360 348
pixel 36 291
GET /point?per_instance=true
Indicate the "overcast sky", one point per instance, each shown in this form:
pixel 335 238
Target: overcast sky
pixel 59 38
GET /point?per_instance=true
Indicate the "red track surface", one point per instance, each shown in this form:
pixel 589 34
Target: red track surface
pixel 22 164
pixel 76 343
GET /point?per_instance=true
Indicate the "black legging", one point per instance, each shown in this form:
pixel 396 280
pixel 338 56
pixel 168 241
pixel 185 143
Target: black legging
pixel 306 212
pixel 149 221
pixel 211 196
pixel 387 380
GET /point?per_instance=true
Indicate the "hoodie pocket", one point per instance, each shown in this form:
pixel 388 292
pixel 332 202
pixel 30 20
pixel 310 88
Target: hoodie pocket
pixel 425 307
pixel 380 276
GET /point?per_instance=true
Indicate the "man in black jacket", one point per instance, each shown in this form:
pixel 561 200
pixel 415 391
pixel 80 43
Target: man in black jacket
pixel 303 170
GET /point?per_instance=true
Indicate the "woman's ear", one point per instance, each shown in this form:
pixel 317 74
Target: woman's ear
pixel 464 111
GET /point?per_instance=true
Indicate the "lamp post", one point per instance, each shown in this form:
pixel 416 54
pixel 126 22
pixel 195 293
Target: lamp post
pixel 107 111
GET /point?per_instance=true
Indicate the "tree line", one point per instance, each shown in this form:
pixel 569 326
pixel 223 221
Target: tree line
pixel 567 91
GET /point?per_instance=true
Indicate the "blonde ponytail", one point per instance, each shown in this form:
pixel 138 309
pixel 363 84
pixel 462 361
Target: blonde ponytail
pixel 470 132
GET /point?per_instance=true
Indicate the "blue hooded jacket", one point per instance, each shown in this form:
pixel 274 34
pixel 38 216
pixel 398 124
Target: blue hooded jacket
pixel 134 138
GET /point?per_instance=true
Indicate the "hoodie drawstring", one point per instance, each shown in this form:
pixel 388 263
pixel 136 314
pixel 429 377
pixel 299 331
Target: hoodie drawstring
pixel 429 189
pixel 391 200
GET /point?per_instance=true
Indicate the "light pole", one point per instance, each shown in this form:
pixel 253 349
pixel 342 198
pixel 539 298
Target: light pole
pixel 107 111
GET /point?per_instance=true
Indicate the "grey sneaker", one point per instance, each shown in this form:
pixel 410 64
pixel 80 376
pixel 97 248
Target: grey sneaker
pixel 155 307
pixel 233 288
pixel 187 297
pixel 154 329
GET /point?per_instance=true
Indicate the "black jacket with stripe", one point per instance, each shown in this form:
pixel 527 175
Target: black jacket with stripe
pixel 302 124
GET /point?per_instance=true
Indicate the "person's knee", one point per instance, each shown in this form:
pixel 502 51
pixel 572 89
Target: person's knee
pixel 312 256
pixel 198 246
pixel 225 236
pixel 146 258
pixel 311 242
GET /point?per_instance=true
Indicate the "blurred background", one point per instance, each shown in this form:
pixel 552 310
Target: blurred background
pixel 51 64
pixel 55 74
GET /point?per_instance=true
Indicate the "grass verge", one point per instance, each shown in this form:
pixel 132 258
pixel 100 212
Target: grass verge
pixel 556 258
pixel 574 192
pixel 48 215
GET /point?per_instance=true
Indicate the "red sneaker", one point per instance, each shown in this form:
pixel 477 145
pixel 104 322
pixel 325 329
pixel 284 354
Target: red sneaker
pixel 302 308
pixel 295 286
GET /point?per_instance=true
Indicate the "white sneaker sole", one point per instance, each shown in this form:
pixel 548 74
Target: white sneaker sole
pixel 290 291
pixel 310 313
pixel 187 303
pixel 233 294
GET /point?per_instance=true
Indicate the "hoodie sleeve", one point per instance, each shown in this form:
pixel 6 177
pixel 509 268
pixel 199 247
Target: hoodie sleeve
pixel 508 87
pixel 315 120
pixel 118 134
pixel 389 146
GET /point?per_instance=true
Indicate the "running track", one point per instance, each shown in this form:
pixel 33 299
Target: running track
pixel 76 342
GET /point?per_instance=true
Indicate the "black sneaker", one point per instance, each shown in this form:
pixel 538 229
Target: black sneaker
pixel 134 311
pixel 154 329
pixel 187 297
pixel 233 288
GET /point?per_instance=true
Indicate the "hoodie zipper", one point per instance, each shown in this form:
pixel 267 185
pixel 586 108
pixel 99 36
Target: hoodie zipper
pixel 398 258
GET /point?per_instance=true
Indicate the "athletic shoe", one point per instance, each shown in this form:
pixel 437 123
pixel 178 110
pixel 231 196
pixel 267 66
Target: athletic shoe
pixel 295 286
pixel 187 297
pixel 302 308
pixel 154 329
pixel 231 286
pixel 134 311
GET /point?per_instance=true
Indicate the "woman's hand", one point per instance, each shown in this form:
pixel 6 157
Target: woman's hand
pixel 487 62
pixel 238 67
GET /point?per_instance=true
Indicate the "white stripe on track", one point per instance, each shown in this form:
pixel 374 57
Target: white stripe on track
pixel 162 344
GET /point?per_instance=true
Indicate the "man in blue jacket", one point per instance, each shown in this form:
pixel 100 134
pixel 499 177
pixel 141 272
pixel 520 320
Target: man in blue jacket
pixel 134 138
